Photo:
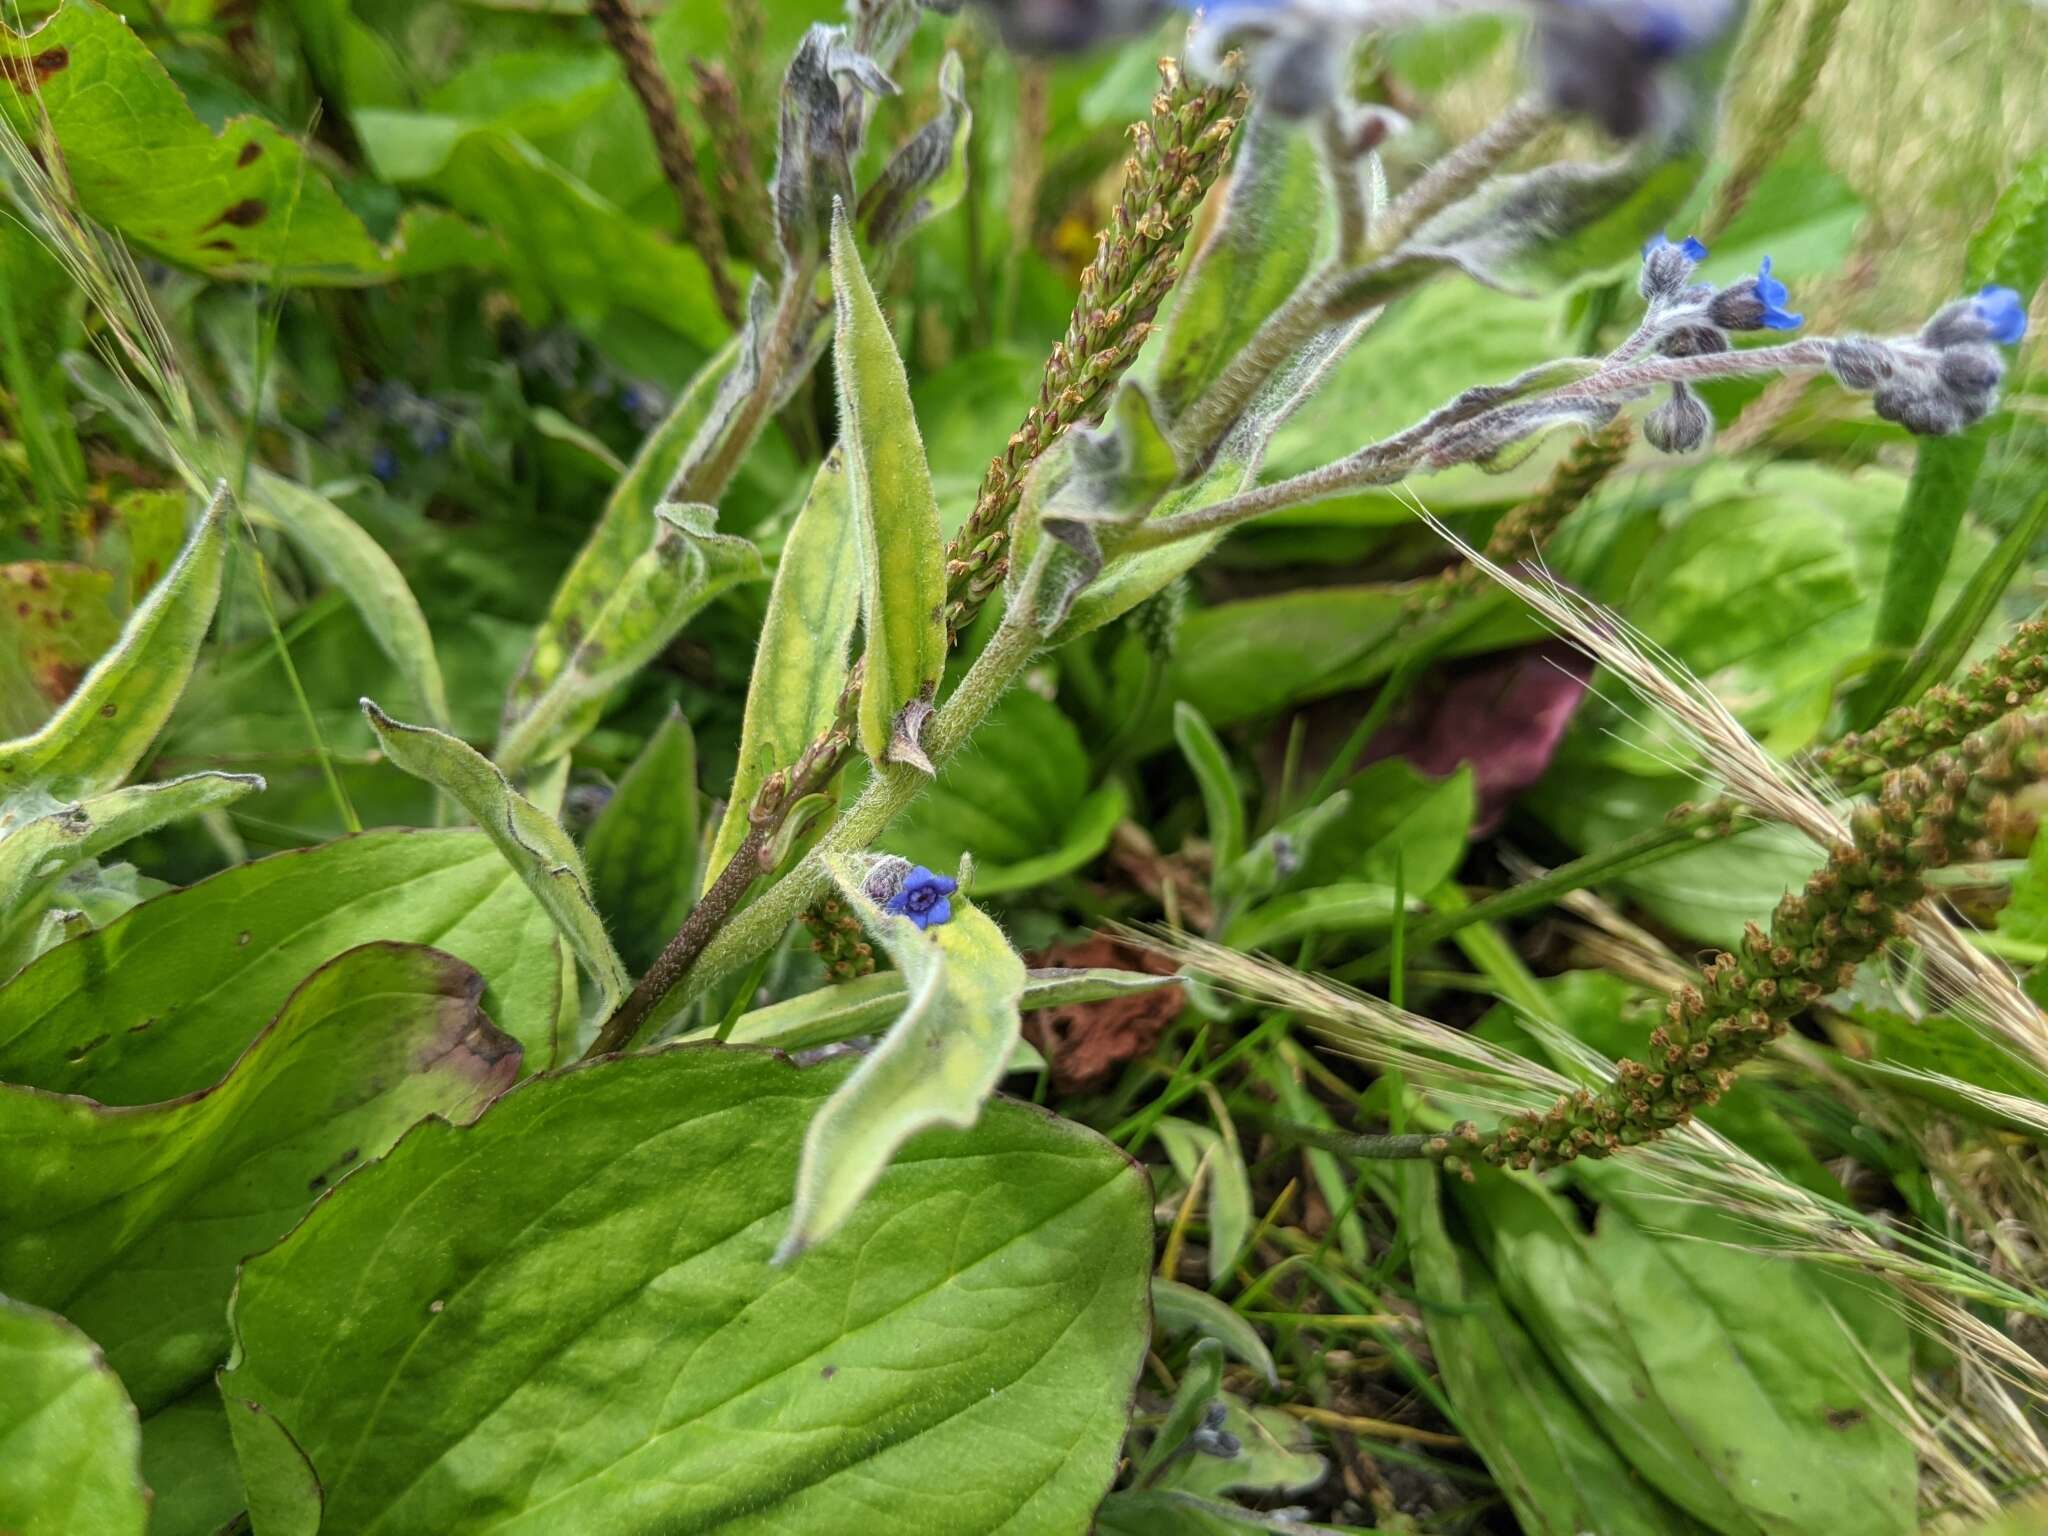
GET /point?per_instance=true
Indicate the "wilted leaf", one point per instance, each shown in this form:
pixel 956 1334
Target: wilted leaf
pixel 131 1220
pixel 937 1065
pixel 72 1445
pixel 642 851
pixel 160 1003
pixel 903 591
pixel 245 203
pixel 594 1250
pixel 1086 1040
pixel 800 663
pixel 532 841
pixel 112 716
pixel 688 565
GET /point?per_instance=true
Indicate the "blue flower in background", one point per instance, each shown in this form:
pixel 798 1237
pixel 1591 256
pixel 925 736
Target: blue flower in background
pixel 923 898
pixel 1690 247
pixel 2004 316
pixel 384 463
pixel 1773 295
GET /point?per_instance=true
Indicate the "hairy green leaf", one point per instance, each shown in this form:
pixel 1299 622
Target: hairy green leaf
pixel 903 575
pixel 686 566
pixel 115 712
pixel 532 841
pixel 71 1463
pixel 131 1220
pixel 800 663
pixel 937 1065
pixel 160 1002
pixel 243 203
pixel 642 851
pixel 596 1251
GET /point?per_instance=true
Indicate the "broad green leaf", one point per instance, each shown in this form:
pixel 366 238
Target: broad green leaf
pixel 860 1007
pixel 1217 780
pixel 353 561
pixel 160 1003
pixel 103 729
pixel 532 841
pixel 245 203
pixel 69 1445
pixel 131 1220
pixel 56 620
pixel 1770 1366
pixel 1188 1145
pixel 1395 816
pixel 624 530
pixel 642 851
pixel 188 1460
pixel 1352 907
pixel 1017 799
pixel 903 574
pixel 1560 1474
pixel 800 663
pixel 1178 1308
pixel 1260 251
pixel 36 848
pixel 596 1251
pixel 936 1066
pixel 688 564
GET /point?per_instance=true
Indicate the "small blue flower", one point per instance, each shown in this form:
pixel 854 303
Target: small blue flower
pixel 2002 312
pixel 1690 247
pixel 384 463
pixel 923 898
pixel 1774 294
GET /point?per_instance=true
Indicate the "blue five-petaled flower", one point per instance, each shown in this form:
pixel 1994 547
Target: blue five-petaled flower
pixel 1773 295
pixel 2004 316
pixel 923 898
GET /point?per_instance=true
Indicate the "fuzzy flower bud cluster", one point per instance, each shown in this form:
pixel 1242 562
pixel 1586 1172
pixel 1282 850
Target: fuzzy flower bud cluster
pixel 1947 377
pixel 1689 319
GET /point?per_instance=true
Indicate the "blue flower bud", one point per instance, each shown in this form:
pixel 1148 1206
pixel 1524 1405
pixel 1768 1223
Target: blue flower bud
pixel 923 898
pixel 1668 267
pixel 1971 370
pixel 2003 313
pixel 1922 408
pixel 1754 304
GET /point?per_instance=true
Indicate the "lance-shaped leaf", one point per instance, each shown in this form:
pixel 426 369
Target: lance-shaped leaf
pixel 800 664
pixel 862 1006
pixel 36 848
pixel 928 174
pixel 357 564
pixel 903 572
pixel 72 1448
pixel 243 203
pixel 532 841
pixel 596 1251
pixel 115 712
pixel 626 525
pixel 131 1221
pixel 1189 1146
pixel 1178 1308
pixel 642 851
pixel 162 1000
pixel 1259 253
pixel 688 564
pixel 936 1066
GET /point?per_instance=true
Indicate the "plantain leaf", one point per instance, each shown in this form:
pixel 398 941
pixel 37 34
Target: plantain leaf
pixel 642 851
pixel 1259 253
pixel 859 1007
pixel 353 561
pixel 131 1220
pixel 938 1063
pixel 188 1460
pixel 36 849
pixel 107 724
pixel 161 1001
pixel 73 1448
pixel 532 841
pixel 903 573
pixel 800 664
pixel 596 1251
pixel 688 565
pixel 245 203
pixel 624 530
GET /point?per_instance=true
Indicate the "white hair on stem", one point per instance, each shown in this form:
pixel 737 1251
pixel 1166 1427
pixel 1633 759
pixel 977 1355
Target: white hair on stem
pixel 1981 988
